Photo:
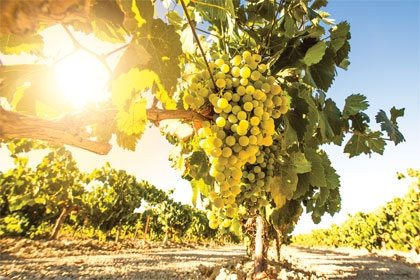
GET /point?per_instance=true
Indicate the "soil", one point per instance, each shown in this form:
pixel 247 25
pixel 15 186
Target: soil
pixel 90 259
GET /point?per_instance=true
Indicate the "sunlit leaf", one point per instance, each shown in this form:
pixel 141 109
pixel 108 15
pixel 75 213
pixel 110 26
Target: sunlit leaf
pixel 17 44
pixel 354 104
pixel 315 53
pixel 339 35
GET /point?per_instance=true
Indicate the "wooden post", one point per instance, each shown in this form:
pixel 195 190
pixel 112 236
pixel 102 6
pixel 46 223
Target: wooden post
pixel 146 227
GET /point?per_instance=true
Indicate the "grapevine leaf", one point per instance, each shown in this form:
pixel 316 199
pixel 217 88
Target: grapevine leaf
pixel 134 120
pixel 198 164
pixel 318 4
pixel 331 176
pixel 317 174
pixel 284 184
pixel 329 121
pixel 354 104
pixel 301 103
pixel 323 73
pixel 361 143
pixel 199 186
pixel 303 186
pixel 17 44
pixel 342 56
pixel 14 76
pixel 390 125
pixel 106 31
pixel 315 53
pixel 163 45
pixel 134 56
pixel 286 215
pixel 339 35
pixel 125 141
pixel 289 25
pixel 302 164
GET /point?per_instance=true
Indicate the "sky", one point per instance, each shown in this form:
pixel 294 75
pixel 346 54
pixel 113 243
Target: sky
pixel 385 67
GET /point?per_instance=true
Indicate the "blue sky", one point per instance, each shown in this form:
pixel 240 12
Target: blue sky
pixel 385 67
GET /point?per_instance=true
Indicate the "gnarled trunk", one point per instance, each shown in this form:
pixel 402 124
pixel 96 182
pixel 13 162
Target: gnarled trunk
pixel 261 245
pixel 66 211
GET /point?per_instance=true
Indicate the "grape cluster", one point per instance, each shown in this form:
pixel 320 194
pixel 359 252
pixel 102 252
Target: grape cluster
pixel 257 177
pixel 244 101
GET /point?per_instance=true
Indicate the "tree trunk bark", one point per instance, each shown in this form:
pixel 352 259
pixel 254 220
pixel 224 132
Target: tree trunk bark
pixel 278 244
pixel 71 129
pixel 66 211
pixel 260 258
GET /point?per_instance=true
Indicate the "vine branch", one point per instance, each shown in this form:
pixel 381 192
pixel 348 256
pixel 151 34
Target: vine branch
pixel 70 129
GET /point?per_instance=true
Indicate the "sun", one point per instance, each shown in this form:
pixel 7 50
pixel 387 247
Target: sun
pixel 82 78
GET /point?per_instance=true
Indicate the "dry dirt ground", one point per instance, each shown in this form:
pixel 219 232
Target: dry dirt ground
pixel 88 259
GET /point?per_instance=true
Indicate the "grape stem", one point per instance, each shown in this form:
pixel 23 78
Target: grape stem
pixel 184 7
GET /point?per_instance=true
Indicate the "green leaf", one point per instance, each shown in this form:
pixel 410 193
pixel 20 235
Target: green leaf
pixel 198 164
pixel 322 74
pixel 17 44
pixel 340 34
pixel 302 164
pixel 390 125
pixel 317 174
pixel 134 56
pixel 330 121
pixel 199 186
pixel 318 4
pixel 354 104
pixel 315 53
pixel 361 143
pixel 134 121
pixel 125 141
pixel 289 25
pixel 106 31
pixel 284 184
pixel 163 45
pixel 15 76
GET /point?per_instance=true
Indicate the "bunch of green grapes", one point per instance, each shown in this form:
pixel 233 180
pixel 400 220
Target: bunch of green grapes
pixel 257 177
pixel 244 101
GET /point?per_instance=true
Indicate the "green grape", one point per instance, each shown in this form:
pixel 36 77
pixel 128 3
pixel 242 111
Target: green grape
pixel 248 106
pixel 255 120
pixel 255 75
pixel 243 81
pixel 276 89
pixel 243 141
pixel 242 115
pixel 230 140
pixel 219 62
pixel 236 97
pixel 236 60
pixel 250 89
pixel 222 103
pixel 224 68
pixel 221 83
pixel 236 71
pixel 245 72
pixel 266 87
pixel 246 54
pixel 221 122
pixel 262 68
